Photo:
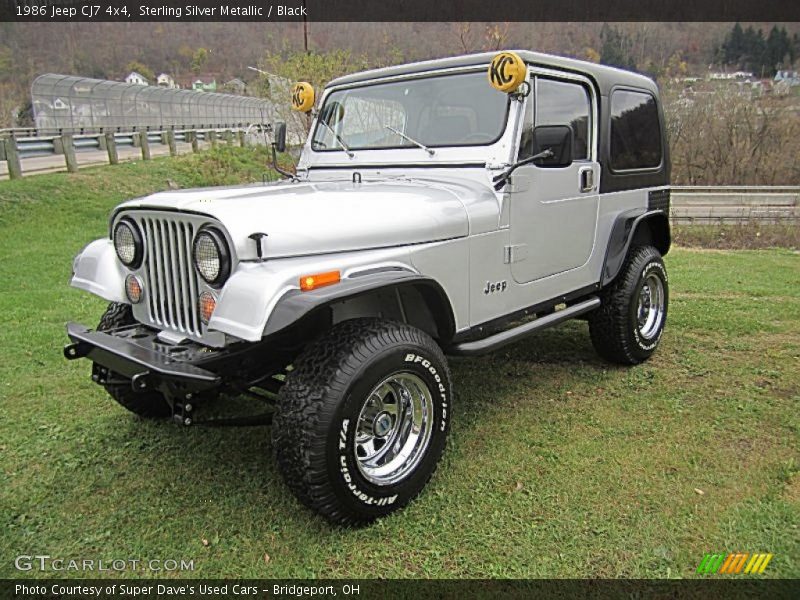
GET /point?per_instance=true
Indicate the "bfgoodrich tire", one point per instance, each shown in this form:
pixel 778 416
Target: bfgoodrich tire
pixel 362 420
pixel 150 405
pixel 627 327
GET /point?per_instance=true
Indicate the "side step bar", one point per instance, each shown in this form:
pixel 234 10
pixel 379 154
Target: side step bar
pixel 509 336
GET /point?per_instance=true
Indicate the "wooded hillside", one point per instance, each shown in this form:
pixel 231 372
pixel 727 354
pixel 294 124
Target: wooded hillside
pixel 224 50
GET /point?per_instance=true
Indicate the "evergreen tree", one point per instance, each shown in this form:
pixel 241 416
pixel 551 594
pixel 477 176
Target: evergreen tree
pixel 616 49
pixel 734 46
pixel 749 49
pixel 754 50
pixel 795 46
pixel 780 53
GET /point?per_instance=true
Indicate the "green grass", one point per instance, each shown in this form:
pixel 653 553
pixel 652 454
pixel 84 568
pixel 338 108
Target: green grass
pixel 558 465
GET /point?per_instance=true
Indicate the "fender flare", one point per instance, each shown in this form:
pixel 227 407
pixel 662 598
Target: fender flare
pixel 622 234
pixel 296 305
pixel 97 270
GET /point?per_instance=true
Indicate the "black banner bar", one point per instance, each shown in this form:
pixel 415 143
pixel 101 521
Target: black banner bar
pixel 148 589
pixel 399 10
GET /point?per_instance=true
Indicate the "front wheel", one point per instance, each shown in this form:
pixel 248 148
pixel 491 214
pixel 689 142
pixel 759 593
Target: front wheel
pixel 627 327
pixel 149 405
pixel 363 419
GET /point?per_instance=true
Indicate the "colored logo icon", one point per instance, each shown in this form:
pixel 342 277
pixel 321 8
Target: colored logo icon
pixel 736 563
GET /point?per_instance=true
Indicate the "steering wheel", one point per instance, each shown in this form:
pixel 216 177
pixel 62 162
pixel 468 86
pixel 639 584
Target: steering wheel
pixel 477 136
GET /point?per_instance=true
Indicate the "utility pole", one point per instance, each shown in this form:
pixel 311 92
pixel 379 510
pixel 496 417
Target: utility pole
pixel 305 28
pixel 305 46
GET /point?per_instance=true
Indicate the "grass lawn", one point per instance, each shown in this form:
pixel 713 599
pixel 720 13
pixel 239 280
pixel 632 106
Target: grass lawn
pixel 558 465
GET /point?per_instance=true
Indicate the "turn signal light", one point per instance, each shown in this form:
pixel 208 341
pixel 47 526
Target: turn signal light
pixel 133 289
pixel 206 303
pixel 312 282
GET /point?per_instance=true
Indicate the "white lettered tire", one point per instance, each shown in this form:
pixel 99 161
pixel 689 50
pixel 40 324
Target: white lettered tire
pixel 628 326
pixel 362 420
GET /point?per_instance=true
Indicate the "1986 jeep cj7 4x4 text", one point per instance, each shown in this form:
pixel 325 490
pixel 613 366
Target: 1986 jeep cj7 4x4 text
pixel 444 207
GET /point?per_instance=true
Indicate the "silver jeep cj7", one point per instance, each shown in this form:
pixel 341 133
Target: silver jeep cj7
pixel 443 207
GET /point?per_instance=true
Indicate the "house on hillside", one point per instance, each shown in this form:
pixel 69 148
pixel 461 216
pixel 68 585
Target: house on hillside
pixel 204 85
pixel 235 86
pixel 790 78
pixel 166 81
pixel 720 76
pixel 136 78
pixel 786 82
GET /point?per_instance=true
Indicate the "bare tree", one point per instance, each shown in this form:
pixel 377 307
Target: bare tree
pixel 726 137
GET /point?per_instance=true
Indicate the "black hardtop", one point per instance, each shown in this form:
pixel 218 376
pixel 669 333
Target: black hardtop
pixel 605 77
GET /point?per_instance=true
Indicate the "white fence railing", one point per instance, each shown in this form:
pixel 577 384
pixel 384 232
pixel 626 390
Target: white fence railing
pixel 15 148
pixel 734 204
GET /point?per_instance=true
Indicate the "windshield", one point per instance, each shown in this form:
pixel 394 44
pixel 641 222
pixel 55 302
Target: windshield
pixel 445 110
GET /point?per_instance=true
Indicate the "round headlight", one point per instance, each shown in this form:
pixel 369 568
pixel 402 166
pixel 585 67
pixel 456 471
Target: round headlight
pixel 128 243
pixel 211 257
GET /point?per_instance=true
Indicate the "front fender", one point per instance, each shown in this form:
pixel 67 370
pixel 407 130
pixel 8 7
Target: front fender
pixel 295 305
pixel 97 271
pixel 250 304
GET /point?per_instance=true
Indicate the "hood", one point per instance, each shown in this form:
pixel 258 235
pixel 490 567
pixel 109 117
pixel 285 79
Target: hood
pixel 336 216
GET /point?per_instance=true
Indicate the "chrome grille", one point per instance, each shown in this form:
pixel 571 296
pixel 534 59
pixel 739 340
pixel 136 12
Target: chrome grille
pixel 170 277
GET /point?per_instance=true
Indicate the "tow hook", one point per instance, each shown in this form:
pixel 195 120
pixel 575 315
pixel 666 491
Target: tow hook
pixel 182 411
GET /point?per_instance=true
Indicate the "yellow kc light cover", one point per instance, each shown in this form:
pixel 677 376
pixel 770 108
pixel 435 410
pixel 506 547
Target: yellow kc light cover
pixel 302 96
pixel 506 71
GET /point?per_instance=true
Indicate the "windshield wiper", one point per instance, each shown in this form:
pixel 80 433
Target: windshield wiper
pixel 500 180
pixel 413 141
pixel 338 139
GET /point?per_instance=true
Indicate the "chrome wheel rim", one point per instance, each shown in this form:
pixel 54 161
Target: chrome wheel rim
pixel 650 309
pixel 394 428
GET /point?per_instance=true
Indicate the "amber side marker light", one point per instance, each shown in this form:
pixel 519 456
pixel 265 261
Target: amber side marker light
pixel 133 289
pixel 206 303
pixel 312 282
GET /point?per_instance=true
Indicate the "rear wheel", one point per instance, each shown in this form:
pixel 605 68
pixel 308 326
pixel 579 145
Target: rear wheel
pixel 363 419
pixel 627 327
pixel 150 405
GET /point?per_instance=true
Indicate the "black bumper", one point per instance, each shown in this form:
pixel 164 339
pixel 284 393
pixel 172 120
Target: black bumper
pixel 135 353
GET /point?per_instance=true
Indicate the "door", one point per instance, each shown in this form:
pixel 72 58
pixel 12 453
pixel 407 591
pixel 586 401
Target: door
pixel 554 201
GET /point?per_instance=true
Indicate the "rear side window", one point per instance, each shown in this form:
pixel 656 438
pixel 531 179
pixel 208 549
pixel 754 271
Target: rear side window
pixel 635 131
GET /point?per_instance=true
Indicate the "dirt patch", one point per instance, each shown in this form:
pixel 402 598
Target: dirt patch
pixel 792 490
pixel 747 236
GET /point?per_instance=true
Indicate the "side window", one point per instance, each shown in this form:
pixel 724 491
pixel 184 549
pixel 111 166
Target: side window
pixel 635 131
pixel 558 103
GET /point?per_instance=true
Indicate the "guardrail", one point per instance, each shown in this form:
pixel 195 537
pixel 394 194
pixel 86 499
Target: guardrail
pixel 14 147
pixel 707 205
pixel 735 204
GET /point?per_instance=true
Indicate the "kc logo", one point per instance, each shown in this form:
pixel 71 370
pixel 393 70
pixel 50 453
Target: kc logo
pixel 297 96
pixel 498 69
pixel 302 96
pixel 506 71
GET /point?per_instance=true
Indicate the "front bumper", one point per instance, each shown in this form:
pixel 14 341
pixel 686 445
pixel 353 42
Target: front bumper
pixel 135 353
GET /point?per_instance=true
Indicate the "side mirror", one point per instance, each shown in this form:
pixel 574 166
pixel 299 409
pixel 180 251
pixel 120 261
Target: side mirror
pixel 280 137
pixel 279 145
pixel 557 139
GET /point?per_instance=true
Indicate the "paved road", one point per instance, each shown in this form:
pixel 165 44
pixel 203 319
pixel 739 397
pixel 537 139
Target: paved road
pixel 713 205
pixel 53 163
